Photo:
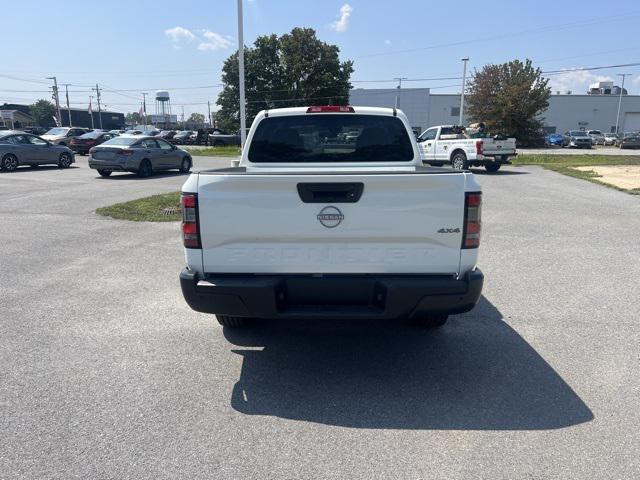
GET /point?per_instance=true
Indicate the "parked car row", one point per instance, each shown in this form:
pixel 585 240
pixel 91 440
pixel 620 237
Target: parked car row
pixel 586 139
pixel 108 152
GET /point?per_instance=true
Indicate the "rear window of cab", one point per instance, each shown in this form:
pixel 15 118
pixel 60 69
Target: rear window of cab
pixel 330 138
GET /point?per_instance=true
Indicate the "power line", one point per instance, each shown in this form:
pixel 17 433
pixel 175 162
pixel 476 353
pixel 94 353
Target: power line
pixel 547 28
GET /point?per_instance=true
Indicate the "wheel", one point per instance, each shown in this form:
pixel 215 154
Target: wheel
pixel 105 173
pixel 186 165
pixel 459 161
pixel 145 169
pixel 231 322
pixel 218 143
pixel 432 321
pixel 64 161
pixel 9 162
pixel 492 167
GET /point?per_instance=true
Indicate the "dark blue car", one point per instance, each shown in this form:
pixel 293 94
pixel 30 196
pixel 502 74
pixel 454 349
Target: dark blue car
pixel 553 140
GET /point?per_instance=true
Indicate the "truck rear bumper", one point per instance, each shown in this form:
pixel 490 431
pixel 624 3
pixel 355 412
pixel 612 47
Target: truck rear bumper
pixel 331 296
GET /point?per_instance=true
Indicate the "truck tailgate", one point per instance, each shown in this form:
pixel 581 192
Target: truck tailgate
pixel 402 223
pixel 499 147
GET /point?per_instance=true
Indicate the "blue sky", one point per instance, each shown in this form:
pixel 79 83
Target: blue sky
pixel 135 46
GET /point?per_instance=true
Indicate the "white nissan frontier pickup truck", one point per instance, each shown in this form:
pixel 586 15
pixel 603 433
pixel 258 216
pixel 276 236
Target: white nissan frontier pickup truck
pixel 331 214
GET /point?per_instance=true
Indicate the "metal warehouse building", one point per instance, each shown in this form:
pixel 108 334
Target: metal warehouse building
pixel 565 112
pixel 79 117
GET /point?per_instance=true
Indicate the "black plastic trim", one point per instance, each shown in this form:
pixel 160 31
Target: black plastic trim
pixel 330 192
pixel 331 296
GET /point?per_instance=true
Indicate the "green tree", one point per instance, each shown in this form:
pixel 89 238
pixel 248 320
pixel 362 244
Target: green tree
pixel 295 69
pixel 43 112
pixel 509 99
pixel 196 117
pixel 133 118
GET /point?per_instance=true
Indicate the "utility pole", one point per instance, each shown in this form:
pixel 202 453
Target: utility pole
pixel 91 111
pixel 97 90
pixel 182 106
pixel 209 110
pixel 243 114
pixel 464 87
pixel 66 91
pixel 144 108
pixel 57 99
pixel 623 75
pixel 399 79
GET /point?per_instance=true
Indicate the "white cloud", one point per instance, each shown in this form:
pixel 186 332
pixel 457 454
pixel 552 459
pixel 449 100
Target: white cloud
pixel 177 34
pixel 578 81
pixel 341 24
pixel 214 41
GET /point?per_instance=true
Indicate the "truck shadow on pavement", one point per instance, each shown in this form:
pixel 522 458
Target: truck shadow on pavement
pixel 132 176
pixel 499 173
pixel 476 373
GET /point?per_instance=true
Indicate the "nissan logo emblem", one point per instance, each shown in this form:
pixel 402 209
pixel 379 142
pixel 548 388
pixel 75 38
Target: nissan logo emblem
pixel 330 217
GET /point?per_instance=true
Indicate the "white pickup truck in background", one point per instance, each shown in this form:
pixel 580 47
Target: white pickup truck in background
pixel 446 144
pixel 331 214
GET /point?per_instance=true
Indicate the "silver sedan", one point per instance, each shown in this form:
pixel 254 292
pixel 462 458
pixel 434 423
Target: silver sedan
pixel 19 148
pixel 141 155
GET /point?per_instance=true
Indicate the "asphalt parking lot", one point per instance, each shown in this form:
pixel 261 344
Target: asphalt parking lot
pixel 106 373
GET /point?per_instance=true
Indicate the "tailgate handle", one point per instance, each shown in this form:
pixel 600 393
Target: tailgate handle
pixel 330 192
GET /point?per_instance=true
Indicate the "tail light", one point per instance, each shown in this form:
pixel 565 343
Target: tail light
pixel 190 223
pixel 331 109
pixel 479 147
pixel 472 220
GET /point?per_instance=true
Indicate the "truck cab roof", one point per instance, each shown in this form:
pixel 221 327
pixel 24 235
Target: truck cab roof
pixel 330 137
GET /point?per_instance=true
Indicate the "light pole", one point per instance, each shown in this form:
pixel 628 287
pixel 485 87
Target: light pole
pixel 243 114
pixel 464 87
pixel 623 75
pixel 399 88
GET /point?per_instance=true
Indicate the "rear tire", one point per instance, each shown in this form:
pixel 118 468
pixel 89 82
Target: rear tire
pixel 218 143
pixel 64 161
pixel 186 165
pixel 9 163
pixel 105 173
pixel 231 322
pixel 145 169
pixel 492 167
pixel 459 161
pixel 432 321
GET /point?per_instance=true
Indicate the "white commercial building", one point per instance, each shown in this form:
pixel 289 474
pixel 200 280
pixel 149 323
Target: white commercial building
pixel 565 112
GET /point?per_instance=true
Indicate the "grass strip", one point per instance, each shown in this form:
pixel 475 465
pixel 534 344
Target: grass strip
pixel 148 209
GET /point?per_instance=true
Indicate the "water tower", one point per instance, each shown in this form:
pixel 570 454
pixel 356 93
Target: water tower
pixel 163 106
